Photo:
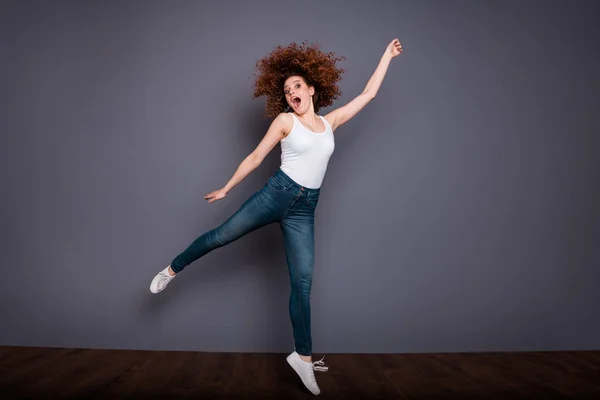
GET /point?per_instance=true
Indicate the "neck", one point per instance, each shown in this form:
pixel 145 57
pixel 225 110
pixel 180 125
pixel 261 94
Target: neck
pixel 309 115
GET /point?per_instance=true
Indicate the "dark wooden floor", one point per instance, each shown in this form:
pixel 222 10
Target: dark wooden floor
pixel 40 373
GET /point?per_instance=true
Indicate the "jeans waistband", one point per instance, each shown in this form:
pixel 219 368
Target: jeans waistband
pixel 289 183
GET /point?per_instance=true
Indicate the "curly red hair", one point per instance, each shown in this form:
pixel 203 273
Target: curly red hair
pixel 316 67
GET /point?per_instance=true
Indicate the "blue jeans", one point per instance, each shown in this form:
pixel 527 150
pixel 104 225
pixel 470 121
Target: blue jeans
pixel 284 201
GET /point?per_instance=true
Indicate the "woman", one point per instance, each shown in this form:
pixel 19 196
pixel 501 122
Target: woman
pixel 298 81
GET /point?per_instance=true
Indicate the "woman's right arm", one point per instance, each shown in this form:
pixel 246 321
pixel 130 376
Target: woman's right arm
pixel 280 126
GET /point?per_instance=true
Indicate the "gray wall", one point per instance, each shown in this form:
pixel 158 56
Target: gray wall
pixel 459 212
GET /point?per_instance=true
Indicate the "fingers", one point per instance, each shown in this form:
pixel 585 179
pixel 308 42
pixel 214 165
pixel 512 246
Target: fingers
pixel 397 44
pixel 213 196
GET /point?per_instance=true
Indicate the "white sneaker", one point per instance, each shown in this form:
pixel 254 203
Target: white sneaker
pixel 161 280
pixel 306 370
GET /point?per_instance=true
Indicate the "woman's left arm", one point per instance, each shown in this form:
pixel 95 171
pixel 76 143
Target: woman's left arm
pixel 341 115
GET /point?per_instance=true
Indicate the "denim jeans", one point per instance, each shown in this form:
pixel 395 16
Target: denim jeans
pixel 284 201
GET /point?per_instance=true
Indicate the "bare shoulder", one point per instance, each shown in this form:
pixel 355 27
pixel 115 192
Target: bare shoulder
pixel 279 129
pixel 284 123
pixel 285 118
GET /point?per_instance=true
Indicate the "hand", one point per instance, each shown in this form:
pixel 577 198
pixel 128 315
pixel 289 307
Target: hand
pixel 216 195
pixel 394 49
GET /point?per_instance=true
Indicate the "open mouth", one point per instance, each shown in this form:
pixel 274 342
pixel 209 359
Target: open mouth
pixel 296 101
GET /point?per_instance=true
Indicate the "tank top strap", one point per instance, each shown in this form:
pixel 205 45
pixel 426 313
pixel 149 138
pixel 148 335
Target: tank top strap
pixel 326 123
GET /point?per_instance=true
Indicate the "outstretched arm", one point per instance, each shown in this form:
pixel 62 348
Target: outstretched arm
pixel 279 127
pixel 341 115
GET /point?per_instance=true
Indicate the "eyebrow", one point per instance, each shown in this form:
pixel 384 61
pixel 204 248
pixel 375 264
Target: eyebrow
pixel 297 80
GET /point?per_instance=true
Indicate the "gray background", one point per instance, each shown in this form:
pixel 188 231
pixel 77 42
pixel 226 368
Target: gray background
pixel 459 211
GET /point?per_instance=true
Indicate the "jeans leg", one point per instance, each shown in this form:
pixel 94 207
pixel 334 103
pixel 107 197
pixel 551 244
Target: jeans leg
pixel 298 234
pixel 252 215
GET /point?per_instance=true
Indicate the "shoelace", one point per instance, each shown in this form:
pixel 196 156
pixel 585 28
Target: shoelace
pixel 320 365
pixel 165 278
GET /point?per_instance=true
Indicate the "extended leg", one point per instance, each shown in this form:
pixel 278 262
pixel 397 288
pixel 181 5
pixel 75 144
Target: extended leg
pixel 252 215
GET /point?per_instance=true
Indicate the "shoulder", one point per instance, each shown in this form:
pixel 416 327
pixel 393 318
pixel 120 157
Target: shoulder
pixel 330 119
pixel 283 119
pixel 284 123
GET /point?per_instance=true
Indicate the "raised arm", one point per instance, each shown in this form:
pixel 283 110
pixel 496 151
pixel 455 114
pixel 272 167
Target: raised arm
pixel 341 115
pixel 279 127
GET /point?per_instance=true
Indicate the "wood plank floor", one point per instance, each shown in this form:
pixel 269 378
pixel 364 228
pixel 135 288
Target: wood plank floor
pixel 45 373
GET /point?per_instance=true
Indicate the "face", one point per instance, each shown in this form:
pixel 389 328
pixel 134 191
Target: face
pixel 298 93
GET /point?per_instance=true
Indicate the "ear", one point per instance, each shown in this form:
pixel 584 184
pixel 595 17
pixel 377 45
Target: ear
pixel 311 90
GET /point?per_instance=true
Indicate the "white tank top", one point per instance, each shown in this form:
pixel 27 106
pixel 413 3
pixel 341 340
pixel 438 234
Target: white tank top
pixel 305 154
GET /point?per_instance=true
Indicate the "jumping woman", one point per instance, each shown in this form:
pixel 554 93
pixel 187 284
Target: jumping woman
pixel 298 81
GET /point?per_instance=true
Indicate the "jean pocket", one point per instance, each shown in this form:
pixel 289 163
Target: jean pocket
pixel 275 184
pixel 312 201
